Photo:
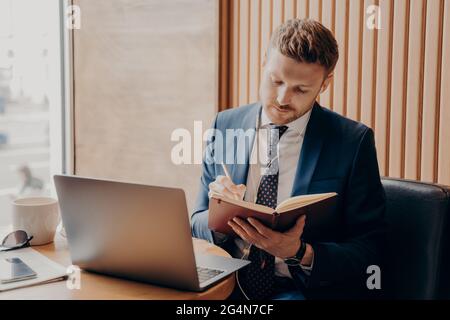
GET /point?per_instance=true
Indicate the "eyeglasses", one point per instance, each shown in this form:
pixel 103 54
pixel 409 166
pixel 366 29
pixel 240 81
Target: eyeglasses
pixel 15 240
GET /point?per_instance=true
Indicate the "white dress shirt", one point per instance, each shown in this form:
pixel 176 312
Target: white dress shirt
pixel 289 148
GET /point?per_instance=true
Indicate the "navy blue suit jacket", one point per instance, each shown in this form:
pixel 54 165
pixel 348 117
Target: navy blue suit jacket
pixel 338 155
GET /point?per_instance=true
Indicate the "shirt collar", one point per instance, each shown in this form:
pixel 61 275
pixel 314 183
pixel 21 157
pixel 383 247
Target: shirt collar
pixel 299 125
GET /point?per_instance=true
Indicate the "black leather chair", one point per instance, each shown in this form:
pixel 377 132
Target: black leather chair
pixel 417 262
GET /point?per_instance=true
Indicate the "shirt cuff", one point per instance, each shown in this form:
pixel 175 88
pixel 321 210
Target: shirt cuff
pixel 308 269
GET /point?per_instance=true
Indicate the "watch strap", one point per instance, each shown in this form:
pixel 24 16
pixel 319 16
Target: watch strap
pixel 296 260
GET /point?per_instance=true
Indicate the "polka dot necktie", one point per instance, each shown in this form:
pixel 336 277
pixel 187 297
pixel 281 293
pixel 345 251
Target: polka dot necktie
pixel 257 280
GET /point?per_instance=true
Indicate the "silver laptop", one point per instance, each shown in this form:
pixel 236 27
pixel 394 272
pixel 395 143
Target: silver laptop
pixel 137 232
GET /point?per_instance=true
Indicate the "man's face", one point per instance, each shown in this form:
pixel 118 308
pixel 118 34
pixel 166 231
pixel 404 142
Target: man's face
pixel 289 88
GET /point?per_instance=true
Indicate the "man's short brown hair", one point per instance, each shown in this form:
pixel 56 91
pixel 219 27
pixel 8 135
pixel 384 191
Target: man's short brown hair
pixel 306 40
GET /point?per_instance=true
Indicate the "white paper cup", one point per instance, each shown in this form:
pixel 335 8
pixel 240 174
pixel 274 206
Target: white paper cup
pixel 38 216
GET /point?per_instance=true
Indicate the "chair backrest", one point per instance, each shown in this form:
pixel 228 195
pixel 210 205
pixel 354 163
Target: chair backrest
pixel 417 257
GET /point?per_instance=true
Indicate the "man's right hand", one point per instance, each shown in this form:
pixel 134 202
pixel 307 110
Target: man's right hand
pixel 224 186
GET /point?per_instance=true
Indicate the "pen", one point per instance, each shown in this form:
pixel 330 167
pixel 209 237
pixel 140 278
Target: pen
pixel 225 170
pixel 228 175
pixel 224 167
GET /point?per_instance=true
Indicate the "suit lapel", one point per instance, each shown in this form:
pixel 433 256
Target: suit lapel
pixel 309 155
pixel 240 168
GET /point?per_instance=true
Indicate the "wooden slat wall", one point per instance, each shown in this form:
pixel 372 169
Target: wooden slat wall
pixel 392 79
pixel 383 85
pixel 443 171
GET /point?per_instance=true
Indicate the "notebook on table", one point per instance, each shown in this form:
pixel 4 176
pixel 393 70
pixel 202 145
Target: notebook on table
pixel 45 269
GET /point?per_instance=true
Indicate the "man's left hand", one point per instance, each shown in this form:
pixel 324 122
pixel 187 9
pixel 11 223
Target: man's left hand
pixel 278 244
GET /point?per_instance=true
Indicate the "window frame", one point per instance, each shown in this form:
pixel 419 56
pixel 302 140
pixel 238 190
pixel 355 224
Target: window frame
pixel 61 103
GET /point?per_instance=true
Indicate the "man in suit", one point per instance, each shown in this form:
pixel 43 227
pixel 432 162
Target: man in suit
pixel 314 151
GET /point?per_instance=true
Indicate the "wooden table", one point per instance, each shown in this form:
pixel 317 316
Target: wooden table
pixel 99 287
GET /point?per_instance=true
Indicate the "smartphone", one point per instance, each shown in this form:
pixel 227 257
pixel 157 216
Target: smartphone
pixel 14 269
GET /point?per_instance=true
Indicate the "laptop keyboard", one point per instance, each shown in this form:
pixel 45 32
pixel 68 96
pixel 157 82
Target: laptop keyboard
pixel 204 274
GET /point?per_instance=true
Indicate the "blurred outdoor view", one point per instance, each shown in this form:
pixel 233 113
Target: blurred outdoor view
pixel 25 47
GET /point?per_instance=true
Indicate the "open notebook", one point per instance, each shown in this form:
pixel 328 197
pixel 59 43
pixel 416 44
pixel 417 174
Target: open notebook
pixel 284 216
pixel 47 270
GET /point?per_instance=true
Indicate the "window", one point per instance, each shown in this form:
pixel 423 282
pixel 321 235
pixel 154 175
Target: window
pixel 31 100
